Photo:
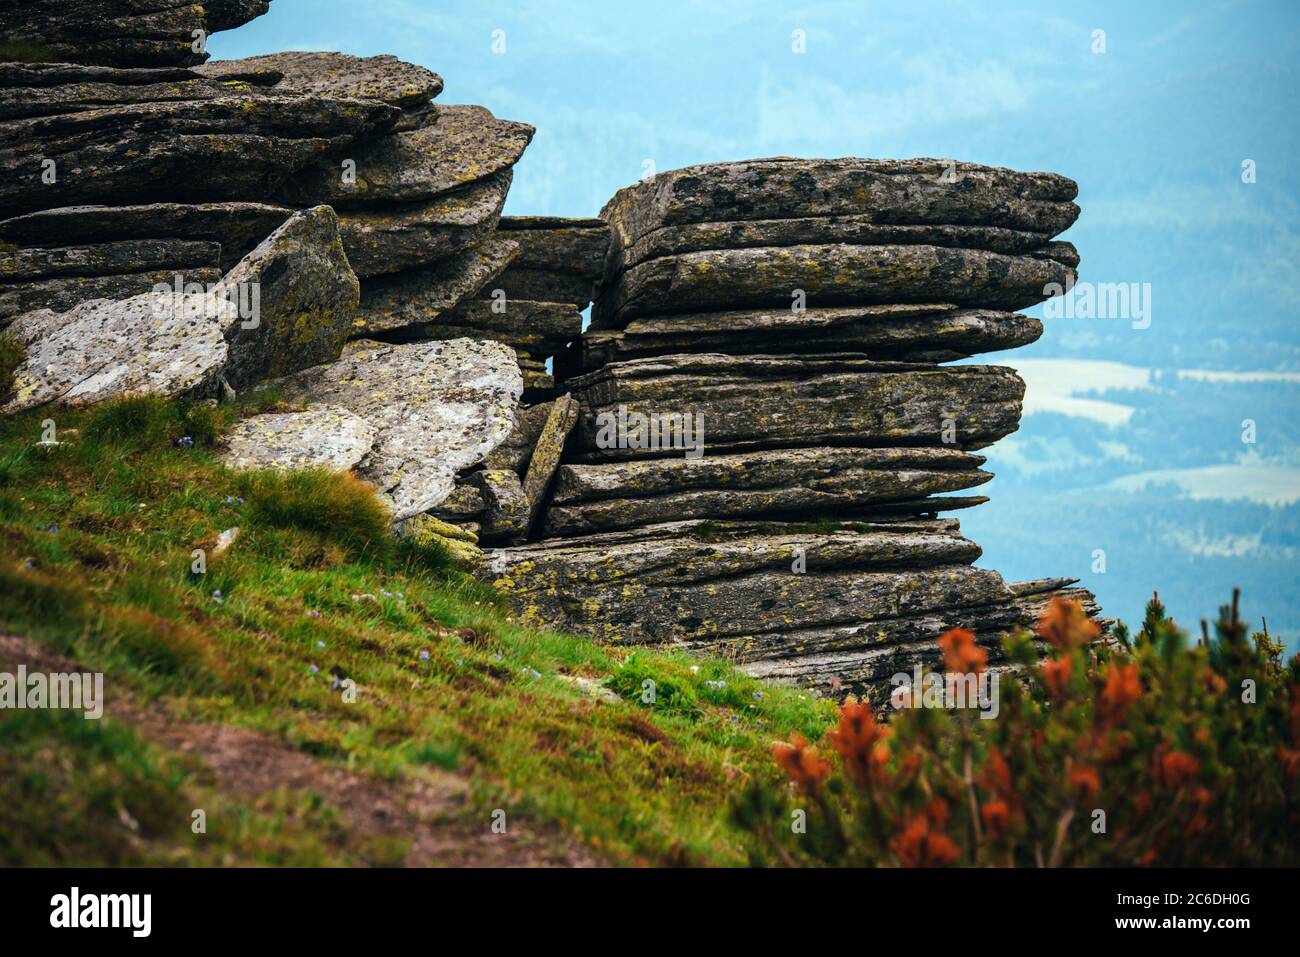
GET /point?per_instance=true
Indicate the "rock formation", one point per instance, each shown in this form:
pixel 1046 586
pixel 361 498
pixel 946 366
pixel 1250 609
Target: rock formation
pixel 765 435
pixel 746 452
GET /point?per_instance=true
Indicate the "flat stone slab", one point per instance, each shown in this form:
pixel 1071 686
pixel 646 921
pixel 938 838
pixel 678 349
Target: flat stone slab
pixel 753 402
pixel 64 292
pixel 856 230
pixel 836 275
pixel 460 145
pixel 384 78
pixel 100 349
pixel 575 246
pixel 232 143
pixel 917 191
pixel 437 407
pixel 323 437
pixel 237 226
pixel 929 332
pixel 111 32
pixel 125 256
pixel 871 599
pixel 807 483
pixel 392 238
pixel 713 580
pixel 423 295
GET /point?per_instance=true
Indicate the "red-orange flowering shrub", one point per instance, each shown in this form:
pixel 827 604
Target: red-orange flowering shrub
pixel 1121 750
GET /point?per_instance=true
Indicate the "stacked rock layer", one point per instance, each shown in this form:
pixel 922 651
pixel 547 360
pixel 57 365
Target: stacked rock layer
pixel 765 434
pixel 300 220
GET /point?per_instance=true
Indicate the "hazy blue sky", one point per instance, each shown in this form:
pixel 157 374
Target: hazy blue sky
pixel 1148 466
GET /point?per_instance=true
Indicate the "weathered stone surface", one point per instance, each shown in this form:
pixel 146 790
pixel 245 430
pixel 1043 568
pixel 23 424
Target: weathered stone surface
pixel 542 285
pixel 227 146
pixel 237 226
pixel 461 145
pixel 575 246
pixel 45 89
pixel 387 239
pixel 307 297
pixel 505 506
pixel 112 32
pixel 159 345
pixel 460 543
pixel 438 408
pixel 918 191
pixel 856 230
pixel 64 292
pixel 384 78
pixel 322 437
pixel 829 276
pixel 52 75
pixel 872 600
pixel 919 332
pixel 537 381
pixel 560 421
pixel 461 507
pixel 228 14
pixel 106 258
pixel 424 295
pixel 517 447
pixel 765 402
pixel 803 482
pixel 557 322
pixel 698 581
pixel 862 658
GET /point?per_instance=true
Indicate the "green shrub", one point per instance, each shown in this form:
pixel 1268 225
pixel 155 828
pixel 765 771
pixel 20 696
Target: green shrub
pixel 1144 752
pixel 132 421
pixel 335 505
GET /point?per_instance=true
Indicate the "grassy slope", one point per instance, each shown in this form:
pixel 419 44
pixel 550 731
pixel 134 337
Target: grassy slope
pixel 96 535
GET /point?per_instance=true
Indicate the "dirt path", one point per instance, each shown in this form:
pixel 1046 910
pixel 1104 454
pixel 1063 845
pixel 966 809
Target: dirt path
pixel 432 813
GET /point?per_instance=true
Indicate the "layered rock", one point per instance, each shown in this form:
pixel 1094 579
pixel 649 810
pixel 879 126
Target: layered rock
pixel 765 436
pixel 118 32
pixel 170 226
pixel 286 305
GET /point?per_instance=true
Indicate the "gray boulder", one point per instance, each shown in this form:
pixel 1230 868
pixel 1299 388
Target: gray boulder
pixel 437 408
pixel 217 142
pixel 917 191
pixel 148 344
pixel 322 437
pixel 306 296
pixel 334 75
pixel 917 332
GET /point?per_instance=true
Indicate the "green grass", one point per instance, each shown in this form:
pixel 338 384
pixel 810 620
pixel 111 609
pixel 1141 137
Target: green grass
pixel 97 536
